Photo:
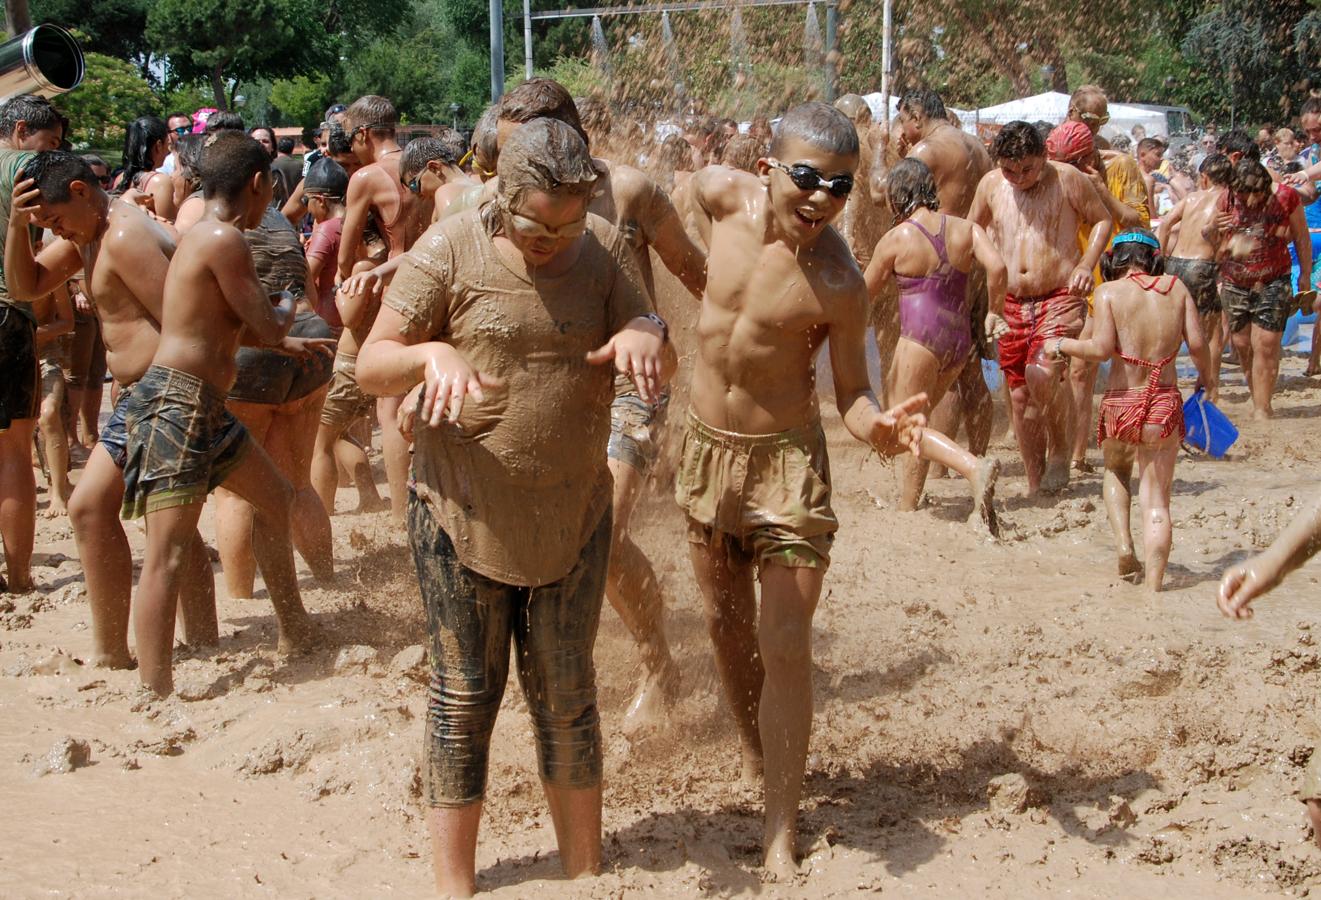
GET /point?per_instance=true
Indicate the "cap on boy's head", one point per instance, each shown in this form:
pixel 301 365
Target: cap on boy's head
pixel 326 177
pixel 54 170
pixel 1070 142
pixel 820 125
pixel 229 160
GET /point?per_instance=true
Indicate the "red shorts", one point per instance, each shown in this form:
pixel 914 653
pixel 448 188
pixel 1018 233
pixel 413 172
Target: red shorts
pixel 1033 321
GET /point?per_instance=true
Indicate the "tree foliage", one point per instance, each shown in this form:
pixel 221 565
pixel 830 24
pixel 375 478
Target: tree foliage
pixel 112 94
pixel 227 42
pixel 114 28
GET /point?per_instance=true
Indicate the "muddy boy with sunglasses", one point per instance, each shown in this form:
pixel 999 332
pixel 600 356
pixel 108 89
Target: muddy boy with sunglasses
pixel 753 478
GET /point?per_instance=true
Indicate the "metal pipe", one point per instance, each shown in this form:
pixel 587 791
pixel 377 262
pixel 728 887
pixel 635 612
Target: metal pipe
pixel 527 38
pixel 45 61
pixel 655 8
pixel 887 27
pixel 832 54
pixel 497 12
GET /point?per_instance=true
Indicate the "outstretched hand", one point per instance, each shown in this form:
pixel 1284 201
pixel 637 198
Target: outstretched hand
pixel 367 283
pixel 899 428
pixel 448 379
pixel 637 350
pixel 306 348
pixel 1244 583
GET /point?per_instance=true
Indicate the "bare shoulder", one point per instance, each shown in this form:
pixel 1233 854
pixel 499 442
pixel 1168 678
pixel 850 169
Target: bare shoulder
pixel 627 182
pixel 214 239
pixel 723 190
pixel 835 269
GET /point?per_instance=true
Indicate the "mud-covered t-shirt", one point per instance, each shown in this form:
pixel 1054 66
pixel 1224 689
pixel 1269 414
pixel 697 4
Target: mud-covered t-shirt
pixel 11 162
pixel 324 245
pixel 520 482
pixel 277 254
pixel 1257 249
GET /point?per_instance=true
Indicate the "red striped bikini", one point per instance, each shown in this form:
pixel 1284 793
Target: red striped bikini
pixel 1125 411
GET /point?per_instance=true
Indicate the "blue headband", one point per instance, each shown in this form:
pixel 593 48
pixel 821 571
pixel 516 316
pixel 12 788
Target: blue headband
pixel 1135 237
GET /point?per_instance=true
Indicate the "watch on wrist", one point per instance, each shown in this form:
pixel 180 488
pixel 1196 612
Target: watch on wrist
pixel 659 323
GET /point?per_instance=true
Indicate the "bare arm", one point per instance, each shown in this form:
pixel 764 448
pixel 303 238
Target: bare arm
pixel 28 275
pixel 294 208
pixel 60 322
pixel 881 268
pixel 888 433
pixel 980 212
pixel 681 256
pixel 997 273
pixel 1101 345
pixel 716 191
pixel 1192 334
pixel 1302 245
pixel 230 263
pixel 1244 583
pixel 1167 223
pixel 356 206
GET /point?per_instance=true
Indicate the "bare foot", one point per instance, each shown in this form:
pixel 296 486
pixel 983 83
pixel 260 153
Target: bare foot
pixel 115 660
pixel 753 769
pixel 1056 478
pixel 1312 371
pixel 655 698
pixel 57 507
pixel 1263 415
pixel 371 504
pixel 1082 465
pixel 1130 569
pixel 299 638
pixel 779 861
pixel 14 585
pixel 983 496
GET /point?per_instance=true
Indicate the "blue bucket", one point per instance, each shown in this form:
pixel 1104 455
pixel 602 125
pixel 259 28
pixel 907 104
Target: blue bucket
pixel 1206 428
pixel 991 374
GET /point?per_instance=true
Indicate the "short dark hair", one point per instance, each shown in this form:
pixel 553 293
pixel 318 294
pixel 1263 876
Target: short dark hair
pixel 1249 176
pixel 224 121
pixel 1311 107
pixel 373 113
pixel 36 111
pixel 54 170
pixel 1238 141
pixel 229 160
pixel 285 145
pixel 1216 167
pixel 742 152
pixel 541 98
pixel 421 151
pixel 820 125
pixel 928 101
pixel 328 178
pixel 1150 144
pixel 1018 140
pixel 338 141
pixel 1119 259
pixel 93 160
pixel 179 115
pixel 911 186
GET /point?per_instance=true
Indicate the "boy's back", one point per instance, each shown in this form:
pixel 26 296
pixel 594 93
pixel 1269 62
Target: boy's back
pixel 1199 212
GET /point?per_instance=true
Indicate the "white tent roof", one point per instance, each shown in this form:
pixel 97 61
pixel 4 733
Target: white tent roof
pixel 1053 107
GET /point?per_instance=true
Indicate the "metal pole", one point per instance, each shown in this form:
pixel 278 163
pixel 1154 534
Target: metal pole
pixel 527 38
pixel 887 26
pixel 497 11
pixel 832 31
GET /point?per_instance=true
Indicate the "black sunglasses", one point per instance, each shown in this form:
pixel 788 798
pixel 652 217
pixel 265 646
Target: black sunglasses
pixel 806 178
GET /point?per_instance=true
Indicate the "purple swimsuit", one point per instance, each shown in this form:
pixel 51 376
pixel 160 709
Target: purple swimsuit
pixel 933 309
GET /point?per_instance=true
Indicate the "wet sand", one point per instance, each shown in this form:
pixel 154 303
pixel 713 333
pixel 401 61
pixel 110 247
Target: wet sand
pixel 993 719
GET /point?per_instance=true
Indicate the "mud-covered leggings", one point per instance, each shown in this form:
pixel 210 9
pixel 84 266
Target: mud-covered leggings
pixel 471 619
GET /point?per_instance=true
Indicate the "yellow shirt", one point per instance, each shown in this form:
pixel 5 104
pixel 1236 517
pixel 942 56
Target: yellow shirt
pixel 1123 177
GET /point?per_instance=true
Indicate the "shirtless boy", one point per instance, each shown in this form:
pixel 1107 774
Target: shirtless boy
pixel 1191 256
pixel 636 205
pixel 430 170
pixel 27 123
pixel 754 480
pixel 1032 209
pixel 182 442
pixel 125 252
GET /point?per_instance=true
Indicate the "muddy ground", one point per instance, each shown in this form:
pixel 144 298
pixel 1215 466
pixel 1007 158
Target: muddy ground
pixel 993 719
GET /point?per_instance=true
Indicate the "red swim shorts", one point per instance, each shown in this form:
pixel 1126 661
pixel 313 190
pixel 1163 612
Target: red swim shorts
pixel 1033 321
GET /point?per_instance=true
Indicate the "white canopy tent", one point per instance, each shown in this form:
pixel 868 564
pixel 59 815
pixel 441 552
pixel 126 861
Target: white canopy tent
pixel 1053 107
pixel 876 102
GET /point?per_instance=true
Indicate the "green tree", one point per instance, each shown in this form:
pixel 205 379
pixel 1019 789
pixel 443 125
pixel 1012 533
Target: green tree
pixel 114 27
pixel 302 100
pixel 227 42
pixel 112 94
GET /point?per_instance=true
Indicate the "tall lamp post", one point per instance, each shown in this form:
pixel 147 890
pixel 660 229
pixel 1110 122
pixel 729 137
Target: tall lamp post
pixel 497 10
